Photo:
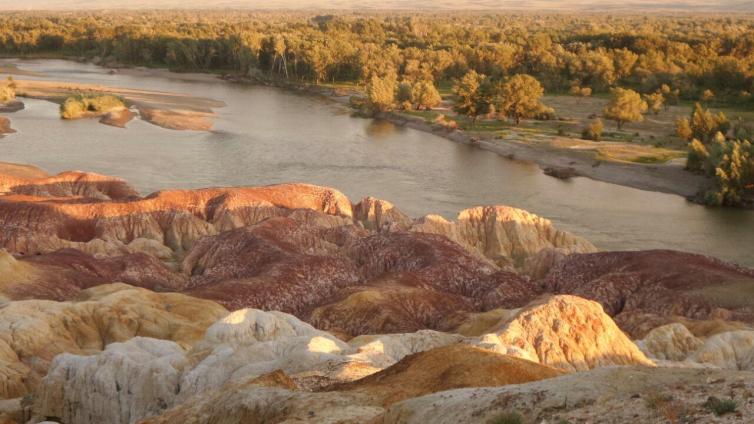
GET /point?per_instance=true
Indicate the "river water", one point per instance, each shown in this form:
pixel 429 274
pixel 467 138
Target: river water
pixel 266 135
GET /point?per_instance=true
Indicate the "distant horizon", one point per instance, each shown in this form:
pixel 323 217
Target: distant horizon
pixel 610 6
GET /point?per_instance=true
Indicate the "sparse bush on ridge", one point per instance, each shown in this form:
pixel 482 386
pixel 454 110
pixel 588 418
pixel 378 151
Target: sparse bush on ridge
pixel 508 418
pixel 720 406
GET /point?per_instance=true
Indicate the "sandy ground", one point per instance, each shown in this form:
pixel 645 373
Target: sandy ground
pixel 667 177
pixel 168 110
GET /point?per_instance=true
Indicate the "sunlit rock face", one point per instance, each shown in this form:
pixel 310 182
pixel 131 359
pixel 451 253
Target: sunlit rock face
pixel 637 288
pixel 65 185
pixel 505 235
pixel 174 219
pixel 380 215
pixel 33 332
pixel 732 350
pixel 142 377
pixel 544 340
pixel 565 332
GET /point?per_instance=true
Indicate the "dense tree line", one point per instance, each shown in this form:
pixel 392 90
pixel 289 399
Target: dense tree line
pixel 687 55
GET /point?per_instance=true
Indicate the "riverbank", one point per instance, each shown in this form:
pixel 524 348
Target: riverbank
pixel 669 178
pixel 577 159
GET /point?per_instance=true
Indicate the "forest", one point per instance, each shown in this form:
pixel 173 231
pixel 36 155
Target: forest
pixel 642 63
pixel 688 53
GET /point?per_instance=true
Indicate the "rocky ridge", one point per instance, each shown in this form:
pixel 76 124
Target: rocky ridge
pixel 345 312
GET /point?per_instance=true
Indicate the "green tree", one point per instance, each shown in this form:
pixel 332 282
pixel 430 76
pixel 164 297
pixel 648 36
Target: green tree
pixel 520 97
pixel 405 95
pixel 381 93
pixel 683 129
pixel 426 95
pixel 473 96
pixel 625 106
pixel 702 125
pixel 655 101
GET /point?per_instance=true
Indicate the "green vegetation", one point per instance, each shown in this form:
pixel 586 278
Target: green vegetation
pixel 625 106
pixel 520 97
pixel 426 96
pixel 720 406
pixel 381 93
pixel 593 131
pixel 655 101
pixel 474 96
pixel 690 55
pixel 485 64
pixel 80 105
pixel 8 91
pixel 508 418
pixel 730 163
pixel 703 125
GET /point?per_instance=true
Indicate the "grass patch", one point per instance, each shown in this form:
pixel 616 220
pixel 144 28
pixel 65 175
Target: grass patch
pixel 427 115
pixel 96 104
pixel 720 406
pixel 638 154
pixel 508 418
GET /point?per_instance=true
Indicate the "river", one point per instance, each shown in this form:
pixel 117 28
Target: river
pixel 267 135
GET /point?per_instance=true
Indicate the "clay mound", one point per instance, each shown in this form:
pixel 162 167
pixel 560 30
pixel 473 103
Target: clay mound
pixel 33 332
pixel 505 235
pixel 380 215
pixel 565 332
pixel 450 367
pixel 15 180
pixel 347 280
pixel 63 274
pixel 659 282
pixel 376 309
pixel 279 264
pixel 175 219
pixel 435 262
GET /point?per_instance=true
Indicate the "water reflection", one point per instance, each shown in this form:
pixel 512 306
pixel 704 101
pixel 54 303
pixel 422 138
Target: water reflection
pixel 381 128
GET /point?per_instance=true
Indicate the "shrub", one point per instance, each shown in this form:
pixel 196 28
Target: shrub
pixel 8 91
pixel 593 131
pixel 508 418
pixel 720 406
pixel 730 163
pixel 76 106
pixel 580 91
